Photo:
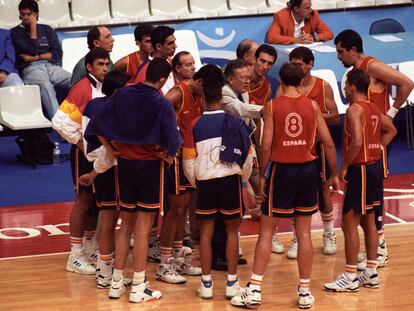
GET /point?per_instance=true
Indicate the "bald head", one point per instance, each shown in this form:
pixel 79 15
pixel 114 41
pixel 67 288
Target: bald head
pixel 246 50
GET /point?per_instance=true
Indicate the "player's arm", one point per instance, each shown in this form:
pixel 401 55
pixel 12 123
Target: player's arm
pixel 121 64
pixel 265 149
pixel 355 117
pixel 332 116
pixel 175 96
pixel 383 72
pixel 388 130
pixel 323 132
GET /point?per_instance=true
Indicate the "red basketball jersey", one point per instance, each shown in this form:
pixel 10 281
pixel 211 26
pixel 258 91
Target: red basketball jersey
pixel 294 120
pixel 261 94
pixel 317 93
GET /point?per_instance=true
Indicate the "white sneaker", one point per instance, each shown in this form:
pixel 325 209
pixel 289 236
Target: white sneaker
pixel 329 243
pixel 362 255
pixel 362 265
pixel 370 281
pixel 117 289
pixel 342 284
pixel 184 266
pixel 103 282
pixel 305 298
pixel 78 264
pixel 154 252
pixel 205 290
pixel 233 289
pixel 277 246
pixel 166 272
pixel 382 254
pixel 248 298
pixel 183 252
pixel 292 252
pixel 141 293
pixel 91 253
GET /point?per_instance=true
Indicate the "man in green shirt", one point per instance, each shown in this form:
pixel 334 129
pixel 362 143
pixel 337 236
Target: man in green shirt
pixel 98 37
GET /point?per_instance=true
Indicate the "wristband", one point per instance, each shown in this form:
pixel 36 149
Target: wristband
pixel 392 112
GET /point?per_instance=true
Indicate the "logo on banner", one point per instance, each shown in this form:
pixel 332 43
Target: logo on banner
pixel 216 43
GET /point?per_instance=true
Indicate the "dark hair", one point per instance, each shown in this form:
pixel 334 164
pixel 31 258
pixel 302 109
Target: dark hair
pixel 349 38
pixel 291 74
pixel 268 49
pixel 142 30
pixel 213 82
pixel 29 4
pixel 96 53
pixel 360 79
pixel 244 47
pixel 232 66
pixel 302 53
pixel 93 34
pixel 114 80
pixel 160 34
pixel 158 68
pixel 292 3
pixel 176 61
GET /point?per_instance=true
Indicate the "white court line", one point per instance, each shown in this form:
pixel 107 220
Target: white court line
pixel 243 236
pixel 402 221
pixel 33 256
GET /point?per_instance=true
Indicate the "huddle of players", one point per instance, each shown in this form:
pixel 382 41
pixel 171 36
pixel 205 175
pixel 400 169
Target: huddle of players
pixel 138 128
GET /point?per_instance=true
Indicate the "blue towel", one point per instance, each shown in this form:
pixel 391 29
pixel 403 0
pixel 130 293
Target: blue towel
pixel 235 140
pixel 138 115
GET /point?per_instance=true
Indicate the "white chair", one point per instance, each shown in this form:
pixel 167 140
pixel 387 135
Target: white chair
pixel 245 7
pixel 276 5
pixel 392 2
pixel 91 12
pixel 321 5
pixel 355 3
pixel 9 16
pixel 329 76
pixel 131 11
pixel 54 13
pixel 169 10
pixel 21 108
pixel 210 8
pixel 407 68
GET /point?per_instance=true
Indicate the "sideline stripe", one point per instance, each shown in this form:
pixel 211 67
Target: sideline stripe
pixel 395 218
pixel 33 256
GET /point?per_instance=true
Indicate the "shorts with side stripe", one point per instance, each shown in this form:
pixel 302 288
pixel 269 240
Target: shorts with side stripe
pixel 141 185
pixel 106 187
pixel 177 182
pixel 292 189
pixel 79 166
pixel 219 196
pixel 364 188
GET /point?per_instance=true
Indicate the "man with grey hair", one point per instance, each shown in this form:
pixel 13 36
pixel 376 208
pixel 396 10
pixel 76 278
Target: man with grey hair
pixel 246 50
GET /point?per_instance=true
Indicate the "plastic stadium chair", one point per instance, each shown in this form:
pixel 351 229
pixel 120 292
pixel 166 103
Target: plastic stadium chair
pixel 321 5
pixel 91 12
pixel 329 76
pixel 210 8
pixel 131 11
pixel 387 25
pixel 168 10
pixel 407 68
pixel 21 108
pixel 54 13
pixel 244 7
pixel 355 3
pixel 9 14
pixel 392 2
pixel 276 5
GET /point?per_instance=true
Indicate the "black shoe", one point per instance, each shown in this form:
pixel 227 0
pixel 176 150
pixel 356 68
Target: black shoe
pixel 242 261
pixel 219 265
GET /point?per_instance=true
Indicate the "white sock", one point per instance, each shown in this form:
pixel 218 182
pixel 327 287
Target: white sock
pixel 118 275
pixel 138 278
pixel 232 277
pixel 206 278
pixel 256 282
